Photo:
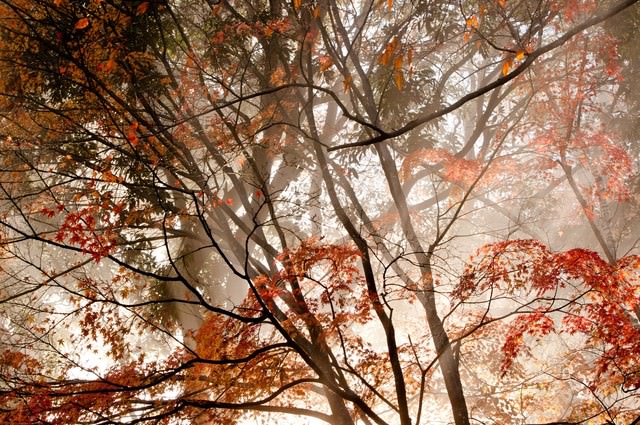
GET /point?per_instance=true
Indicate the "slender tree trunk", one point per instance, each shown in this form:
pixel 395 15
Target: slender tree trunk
pixel 448 364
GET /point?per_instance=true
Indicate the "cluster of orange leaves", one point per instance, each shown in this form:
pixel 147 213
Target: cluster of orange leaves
pixel 460 171
pixel 396 54
pixel 454 169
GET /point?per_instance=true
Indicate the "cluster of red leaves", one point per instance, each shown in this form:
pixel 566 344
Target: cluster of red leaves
pixel 574 10
pixel 319 287
pixel 338 258
pixel 218 340
pixel 18 361
pixel 600 300
pixel 568 111
pixel 536 324
pixel 593 150
pixel 83 229
pixel 328 267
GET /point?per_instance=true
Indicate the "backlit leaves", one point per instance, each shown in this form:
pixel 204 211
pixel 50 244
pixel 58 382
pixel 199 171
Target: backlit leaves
pixel 163 161
pixel 461 171
pixel 602 306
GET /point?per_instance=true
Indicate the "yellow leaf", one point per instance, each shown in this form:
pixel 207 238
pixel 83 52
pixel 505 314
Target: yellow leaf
pixel 520 55
pixel 82 23
pixel 142 8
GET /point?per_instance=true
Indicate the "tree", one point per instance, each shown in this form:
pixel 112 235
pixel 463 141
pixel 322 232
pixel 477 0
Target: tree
pixel 376 212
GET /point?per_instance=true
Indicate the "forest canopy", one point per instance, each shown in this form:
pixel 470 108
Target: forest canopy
pixel 373 212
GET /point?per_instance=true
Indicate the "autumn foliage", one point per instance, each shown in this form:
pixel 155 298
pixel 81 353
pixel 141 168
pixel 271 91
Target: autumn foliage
pixel 388 212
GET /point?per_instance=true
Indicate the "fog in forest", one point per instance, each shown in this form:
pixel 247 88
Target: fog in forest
pixel 306 212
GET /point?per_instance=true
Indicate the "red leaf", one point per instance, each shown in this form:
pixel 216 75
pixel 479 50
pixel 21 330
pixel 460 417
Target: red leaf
pixel 142 8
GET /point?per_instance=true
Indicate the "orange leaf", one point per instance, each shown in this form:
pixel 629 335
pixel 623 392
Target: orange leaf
pixel 506 66
pixel 399 79
pixel 297 4
pixel 520 55
pixel 390 4
pixel 397 63
pixel 142 8
pixel 132 135
pixel 277 78
pixel 325 63
pixel 57 2
pixel 108 67
pixel 502 3
pixel 472 22
pixel 82 23
pixel 346 83
pixel 388 52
